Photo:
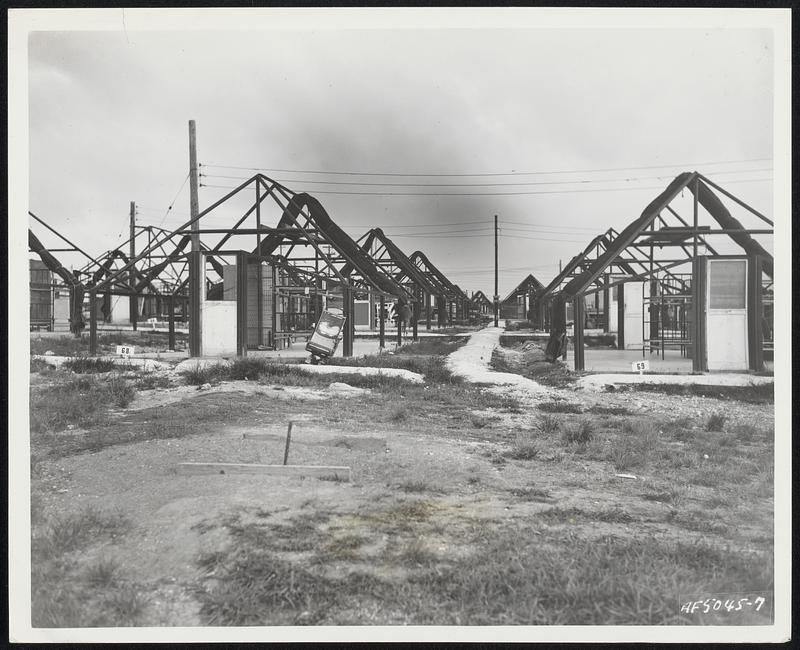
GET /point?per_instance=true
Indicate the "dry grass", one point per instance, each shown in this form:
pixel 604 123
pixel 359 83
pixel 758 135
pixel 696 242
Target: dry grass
pixel 70 594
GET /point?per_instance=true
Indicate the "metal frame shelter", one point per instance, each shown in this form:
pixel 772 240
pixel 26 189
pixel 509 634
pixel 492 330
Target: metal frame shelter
pixel 450 298
pixel 481 304
pixel 304 256
pixel 637 254
pixel 529 290
pixel 583 260
pixel 388 256
pixel 157 277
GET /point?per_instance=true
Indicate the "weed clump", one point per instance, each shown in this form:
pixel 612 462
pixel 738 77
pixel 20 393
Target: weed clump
pixel 559 407
pixel 84 365
pixel 524 447
pixel 548 424
pixel 716 422
pixel 580 434
pixel 205 374
pixel 78 400
pixel 636 446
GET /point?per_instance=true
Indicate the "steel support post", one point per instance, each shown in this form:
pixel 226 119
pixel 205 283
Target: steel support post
pixel 755 333
pixel 621 316
pixel 347 308
pixel 241 304
pixel 577 327
pixel 382 323
pixel 92 323
pixel 427 311
pixel 274 314
pixel 698 315
pixel 171 316
pixel 415 317
pixel 606 307
pixel 399 325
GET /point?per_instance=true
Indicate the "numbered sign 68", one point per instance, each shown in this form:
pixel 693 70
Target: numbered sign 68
pixel 640 366
pixel 125 350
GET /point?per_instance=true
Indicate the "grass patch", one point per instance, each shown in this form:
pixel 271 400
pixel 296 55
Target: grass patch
pixel 609 410
pixel 418 487
pixel 579 434
pixel 716 422
pixel 524 446
pixel 548 424
pixel 539 495
pixel 70 346
pixel 433 346
pixel 559 407
pixel 88 364
pixel 635 446
pixel 66 593
pixel 431 366
pixel 71 531
pixel 206 374
pixel 398 414
pixel 152 381
pixel 513 575
pixel 752 394
pixel 80 401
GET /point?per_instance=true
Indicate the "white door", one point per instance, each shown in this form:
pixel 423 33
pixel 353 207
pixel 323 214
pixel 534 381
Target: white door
pixel 726 314
pixel 633 295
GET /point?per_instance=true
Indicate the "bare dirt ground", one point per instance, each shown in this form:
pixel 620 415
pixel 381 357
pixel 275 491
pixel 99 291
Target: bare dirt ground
pixel 466 506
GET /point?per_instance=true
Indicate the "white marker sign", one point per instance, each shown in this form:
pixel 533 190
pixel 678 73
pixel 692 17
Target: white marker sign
pixel 640 366
pixel 125 350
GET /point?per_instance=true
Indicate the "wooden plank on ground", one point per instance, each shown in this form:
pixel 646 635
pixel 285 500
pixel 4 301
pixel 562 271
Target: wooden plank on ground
pixel 342 472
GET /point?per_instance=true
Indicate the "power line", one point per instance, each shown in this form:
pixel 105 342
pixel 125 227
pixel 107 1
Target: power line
pixel 512 173
pixel 173 200
pixel 538 192
pixel 572 182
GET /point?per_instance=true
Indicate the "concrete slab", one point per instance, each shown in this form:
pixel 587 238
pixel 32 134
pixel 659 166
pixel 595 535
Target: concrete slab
pixel 609 360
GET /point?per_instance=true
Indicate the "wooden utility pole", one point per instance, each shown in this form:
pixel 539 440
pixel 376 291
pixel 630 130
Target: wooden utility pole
pixel 133 309
pixel 195 256
pixel 496 295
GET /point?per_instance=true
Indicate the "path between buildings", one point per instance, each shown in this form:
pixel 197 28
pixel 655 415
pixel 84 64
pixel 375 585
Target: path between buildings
pixel 471 361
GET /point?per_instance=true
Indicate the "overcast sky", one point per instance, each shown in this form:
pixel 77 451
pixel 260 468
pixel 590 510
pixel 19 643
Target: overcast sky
pixel 109 114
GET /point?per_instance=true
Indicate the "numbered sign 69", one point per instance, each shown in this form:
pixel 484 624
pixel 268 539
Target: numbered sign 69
pixel 640 366
pixel 125 350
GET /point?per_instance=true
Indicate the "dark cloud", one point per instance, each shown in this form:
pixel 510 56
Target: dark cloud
pixel 109 113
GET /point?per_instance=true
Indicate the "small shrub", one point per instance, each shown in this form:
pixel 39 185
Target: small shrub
pixel 40 366
pixel 715 422
pixel 71 531
pixel 250 368
pixel 343 547
pixel 415 553
pixel 416 486
pixel 102 573
pixel 120 390
pixel 125 606
pixel 635 446
pixel 84 365
pixel 539 495
pixel 151 381
pixel 609 410
pixel 559 407
pixel 580 434
pixel 478 421
pixel 205 374
pixel 524 447
pixel 548 424
pixel 398 414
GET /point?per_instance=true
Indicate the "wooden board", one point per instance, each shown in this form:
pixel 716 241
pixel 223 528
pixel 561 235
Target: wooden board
pixel 270 470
